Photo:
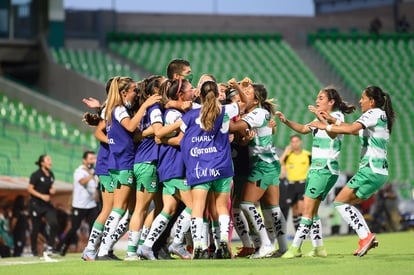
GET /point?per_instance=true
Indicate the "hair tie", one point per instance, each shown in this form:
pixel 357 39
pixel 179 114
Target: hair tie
pixel 232 93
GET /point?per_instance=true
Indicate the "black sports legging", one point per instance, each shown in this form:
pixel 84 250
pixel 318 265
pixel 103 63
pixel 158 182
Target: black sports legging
pixel 78 214
pixel 37 213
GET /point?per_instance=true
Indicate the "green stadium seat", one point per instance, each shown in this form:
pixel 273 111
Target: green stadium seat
pixel 387 62
pixel 266 58
pixel 26 134
pixel 92 63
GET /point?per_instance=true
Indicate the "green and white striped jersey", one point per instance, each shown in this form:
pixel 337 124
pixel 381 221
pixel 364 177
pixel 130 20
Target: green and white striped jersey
pixel 374 139
pixel 325 150
pixel 261 147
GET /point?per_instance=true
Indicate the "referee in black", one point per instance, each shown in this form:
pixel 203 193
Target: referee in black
pixel 40 207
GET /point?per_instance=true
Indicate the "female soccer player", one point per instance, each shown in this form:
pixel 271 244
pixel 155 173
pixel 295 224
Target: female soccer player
pixel 145 165
pixel 323 173
pixel 171 173
pixel 105 182
pixel 263 179
pixel 374 128
pixel 208 163
pixel 120 128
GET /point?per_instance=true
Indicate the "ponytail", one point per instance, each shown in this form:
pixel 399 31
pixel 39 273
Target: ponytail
pixel 40 160
pixel 91 119
pixel 339 104
pixel 389 111
pixel 260 93
pixel 382 101
pixel 118 84
pixel 211 107
pixel 165 90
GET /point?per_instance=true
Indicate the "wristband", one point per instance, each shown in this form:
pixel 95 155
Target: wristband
pixel 329 128
pixel 338 122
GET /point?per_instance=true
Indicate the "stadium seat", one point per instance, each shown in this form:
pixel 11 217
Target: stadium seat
pixel 386 61
pixel 26 134
pixel 92 63
pixel 264 57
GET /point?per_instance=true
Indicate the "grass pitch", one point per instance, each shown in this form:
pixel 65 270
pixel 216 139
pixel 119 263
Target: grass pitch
pixel 395 255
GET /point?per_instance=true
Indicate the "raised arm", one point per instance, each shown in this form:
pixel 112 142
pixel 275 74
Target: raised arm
pixel 244 104
pixel 238 126
pixel 324 117
pixel 343 128
pixel 134 122
pixel 91 102
pixel 300 128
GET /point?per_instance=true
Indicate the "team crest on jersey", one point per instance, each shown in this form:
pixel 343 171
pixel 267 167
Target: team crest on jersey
pixel 153 184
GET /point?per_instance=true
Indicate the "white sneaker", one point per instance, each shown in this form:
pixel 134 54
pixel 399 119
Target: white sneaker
pixel 263 252
pixel 147 253
pixel 179 250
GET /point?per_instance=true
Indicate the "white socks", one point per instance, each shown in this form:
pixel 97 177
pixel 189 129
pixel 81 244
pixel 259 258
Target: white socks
pixel 242 227
pixel 354 218
pixel 254 216
pixel 316 232
pixel 111 225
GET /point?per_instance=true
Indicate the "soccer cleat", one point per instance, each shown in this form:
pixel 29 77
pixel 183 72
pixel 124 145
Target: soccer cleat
pixel 218 254
pixel 317 252
pixel 244 251
pixel 163 254
pixel 131 256
pixel 147 253
pixel 113 256
pixel 49 251
pixel 293 252
pixel 277 254
pixel 366 244
pixel 199 254
pixel 180 251
pixel 63 250
pixel 104 258
pixel 225 252
pixel 264 251
pixel 88 255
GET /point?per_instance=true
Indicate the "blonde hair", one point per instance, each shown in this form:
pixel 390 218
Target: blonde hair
pixel 211 108
pixel 118 84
